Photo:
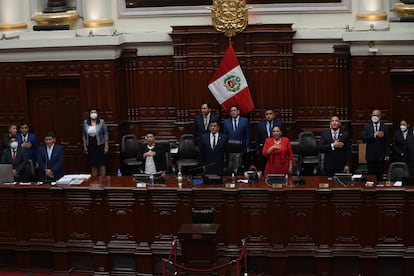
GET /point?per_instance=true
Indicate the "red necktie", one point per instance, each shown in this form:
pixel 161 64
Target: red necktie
pixel 14 155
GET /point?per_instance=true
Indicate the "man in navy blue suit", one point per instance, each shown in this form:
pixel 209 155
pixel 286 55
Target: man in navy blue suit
pixel 237 127
pixel 202 121
pixel 213 149
pixel 50 159
pixel 28 141
pixel 264 130
pixel 337 147
pixel 376 136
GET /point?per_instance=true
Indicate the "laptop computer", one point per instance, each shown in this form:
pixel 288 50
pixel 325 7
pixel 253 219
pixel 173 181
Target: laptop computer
pixel 6 173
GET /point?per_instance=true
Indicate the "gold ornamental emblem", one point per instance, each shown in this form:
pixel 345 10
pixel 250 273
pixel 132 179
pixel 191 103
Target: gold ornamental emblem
pixel 229 16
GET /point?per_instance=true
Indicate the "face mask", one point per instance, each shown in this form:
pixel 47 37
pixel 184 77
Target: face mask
pixel 94 116
pixel 375 119
pixel 14 145
pixel 403 128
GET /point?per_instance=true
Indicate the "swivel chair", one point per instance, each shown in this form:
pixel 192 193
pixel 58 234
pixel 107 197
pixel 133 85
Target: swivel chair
pixel 187 154
pixel 296 156
pixel 235 157
pixel 309 153
pixel 397 171
pixel 129 155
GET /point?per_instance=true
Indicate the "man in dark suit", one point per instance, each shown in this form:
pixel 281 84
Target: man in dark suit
pixel 28 141
pixel 264 130
pixel 237 127
pixel 50 159
pixel 12 132
pixel 337 147
pixel 202 121
pixel 16 156
pixel 153 156
pixel 376 136
pixel 213 148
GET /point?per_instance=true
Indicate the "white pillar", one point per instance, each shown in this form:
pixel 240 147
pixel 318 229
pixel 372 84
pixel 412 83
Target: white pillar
pixel 97 13
pixel 371 10
pixel 12 15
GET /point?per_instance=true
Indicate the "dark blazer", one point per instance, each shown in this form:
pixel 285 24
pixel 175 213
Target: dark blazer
pixel 199 127
pixel 262 130
pixel 21 159
pixel 216 156
pixel 159 157
pixel 398 145
pixel 335 160
pixel 377 147
pixel 55 163
pixel 409 153
pixel 32 151
pixel 242 132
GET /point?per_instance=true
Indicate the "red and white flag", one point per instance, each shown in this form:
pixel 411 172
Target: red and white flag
pixel 229 86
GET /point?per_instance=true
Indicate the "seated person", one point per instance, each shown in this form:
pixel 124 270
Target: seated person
pixel 50 159
pixel 153 156
pixel 16 156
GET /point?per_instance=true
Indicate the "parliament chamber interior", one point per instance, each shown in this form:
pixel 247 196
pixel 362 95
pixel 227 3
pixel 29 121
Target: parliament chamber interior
pixel 147 65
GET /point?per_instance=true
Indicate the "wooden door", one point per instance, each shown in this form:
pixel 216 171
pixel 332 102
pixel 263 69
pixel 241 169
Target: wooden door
pixel 54 105
pixel 403 91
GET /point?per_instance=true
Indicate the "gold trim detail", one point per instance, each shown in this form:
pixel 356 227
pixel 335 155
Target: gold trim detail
pixel 404 9
pixel 229 16
pixel 371 16
pixel 69 18
pixel 13 26
pixel 98 23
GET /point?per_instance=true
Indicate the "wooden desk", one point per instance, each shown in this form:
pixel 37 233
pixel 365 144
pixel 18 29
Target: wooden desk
pixel 99 224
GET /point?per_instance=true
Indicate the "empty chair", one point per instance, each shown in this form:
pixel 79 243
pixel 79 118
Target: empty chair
pixel 397 171
pixel 129 153
pixel 187 155
pixel 296 156
pixel 362 167
pixel 235 157
pixel 309 153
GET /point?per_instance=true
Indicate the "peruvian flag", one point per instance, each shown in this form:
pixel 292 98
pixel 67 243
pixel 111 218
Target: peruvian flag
pixel 229 86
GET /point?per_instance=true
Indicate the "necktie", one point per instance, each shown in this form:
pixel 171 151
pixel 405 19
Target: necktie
pixel 269 129
pixel 376 127
pixel 334 135
pixel 205 122
pixel 14 155
pixel 25 138
pixel 49 152
pixel 214 141
pixel 235 124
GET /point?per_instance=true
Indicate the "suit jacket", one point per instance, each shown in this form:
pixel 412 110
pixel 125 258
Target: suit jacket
pixel 159 157
pixel 32 151
pixel 398 145
pixel 55 163
pixel 21 159
pixel 337 159
pixel 262 131
pixel 199 127
pixel 377 147
pixel 102 134
pixel 216 156
pixel 242 133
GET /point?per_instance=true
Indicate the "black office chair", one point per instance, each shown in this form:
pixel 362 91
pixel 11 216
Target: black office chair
pixel 235 157
pixel 296 156
pixel 166 146
pixel 129 153
pixel 309 153
pixel 187 155
pixel 397 171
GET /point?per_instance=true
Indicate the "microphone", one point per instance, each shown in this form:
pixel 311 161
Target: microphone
pixel 201 167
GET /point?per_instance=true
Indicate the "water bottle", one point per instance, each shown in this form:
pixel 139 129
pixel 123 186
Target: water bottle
pixel 118 173
pixel 151 178
pixel 233 179
pixel 179 177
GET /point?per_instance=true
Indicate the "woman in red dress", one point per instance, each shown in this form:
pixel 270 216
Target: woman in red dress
pixel 278 151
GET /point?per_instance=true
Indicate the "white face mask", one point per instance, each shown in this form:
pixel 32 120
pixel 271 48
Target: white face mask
pixel 403 128
pixel 14 145
pixel 375 119
pixel 94 116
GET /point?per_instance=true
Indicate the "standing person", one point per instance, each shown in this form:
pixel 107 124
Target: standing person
pixel 16 156
pixel 202 121
pixel 337 147
pixel 376 136
pixel 95 142
pixel 12 131
pixel 399 140
pixel 279 154
pixel 264 130
pixel 237 127
pixel 50 159
pixel 28 141
pixel 213 149
pixel 154 160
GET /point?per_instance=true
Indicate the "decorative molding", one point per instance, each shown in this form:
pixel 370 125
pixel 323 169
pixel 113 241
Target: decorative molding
pixel 259 9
